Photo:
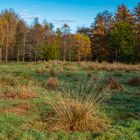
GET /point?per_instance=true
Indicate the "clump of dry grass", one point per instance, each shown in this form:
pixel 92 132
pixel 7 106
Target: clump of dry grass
pixel 41 70
pixel 25 76
pixel 109 66
pixel 72 111
pixel 29 66
pixel 52 83
pixel 8 81
pixel 135 81
pixel 22 93
pixel 114 84
pixel 19 109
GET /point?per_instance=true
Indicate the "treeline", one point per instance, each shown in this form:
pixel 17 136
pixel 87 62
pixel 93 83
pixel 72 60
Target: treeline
pixel 111 37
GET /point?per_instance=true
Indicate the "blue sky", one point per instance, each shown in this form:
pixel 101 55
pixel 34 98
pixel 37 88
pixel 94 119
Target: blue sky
pixel 73 12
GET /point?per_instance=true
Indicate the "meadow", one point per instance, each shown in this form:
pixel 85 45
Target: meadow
pixel 69 101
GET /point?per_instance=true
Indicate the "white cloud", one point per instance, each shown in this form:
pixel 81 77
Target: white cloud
pixel 57 21
pixel 26 14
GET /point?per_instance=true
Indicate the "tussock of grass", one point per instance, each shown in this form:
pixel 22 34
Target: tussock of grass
pixel 52 83
pixel 41 70
pixel 109 67
pixel 22 93
pixel 114 84
pixel 76 111
pixel 135 81
pixel 8 81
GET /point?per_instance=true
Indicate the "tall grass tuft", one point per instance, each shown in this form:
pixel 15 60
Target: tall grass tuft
pixel 75 109
pixel 52 83
pixel 114 84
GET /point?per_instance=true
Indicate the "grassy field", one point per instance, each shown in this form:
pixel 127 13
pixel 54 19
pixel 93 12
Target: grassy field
pixel 26 90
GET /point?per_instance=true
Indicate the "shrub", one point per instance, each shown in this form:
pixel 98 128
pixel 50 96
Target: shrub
pixel 50 52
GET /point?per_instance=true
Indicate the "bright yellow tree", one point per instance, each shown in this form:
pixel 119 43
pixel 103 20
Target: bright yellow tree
pixel 82 47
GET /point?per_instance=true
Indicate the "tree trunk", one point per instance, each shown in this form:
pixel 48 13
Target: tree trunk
pixel 64 55
pixel 6 51
pixel 0 54
pixel 23 57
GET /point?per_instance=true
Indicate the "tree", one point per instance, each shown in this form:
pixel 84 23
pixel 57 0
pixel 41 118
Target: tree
pixel 37 37
pixel 3 25
pixel 82 47
pixel 124 15
pixel 122 42
pixel 136 14
pixel 65 31
pixel 99 35
pixel 67 47
pixel 11 19
pixel 20 43
pixel 50 52
pixel 58 32
pixel 83 30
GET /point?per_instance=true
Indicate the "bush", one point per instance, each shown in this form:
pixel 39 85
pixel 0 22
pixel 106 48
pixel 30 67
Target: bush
pixel 50 52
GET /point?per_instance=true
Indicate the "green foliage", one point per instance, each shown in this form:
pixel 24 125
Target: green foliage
pixel 122 41
pixel 50 52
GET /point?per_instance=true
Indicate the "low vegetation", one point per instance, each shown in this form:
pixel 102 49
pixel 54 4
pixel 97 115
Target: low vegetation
pixel 81 100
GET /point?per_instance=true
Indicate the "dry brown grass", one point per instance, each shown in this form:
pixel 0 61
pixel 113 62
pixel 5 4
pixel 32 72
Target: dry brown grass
pixel 22 93
pixel 114 84
pixel 20 109
pixel 98 66
pixel 74 112
pixel 135 81
pixel 1 110
pixel 72 115
pixel 41 70
pixel 109 67
pixel 8 81
pixel 52 83
pixel 29 66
